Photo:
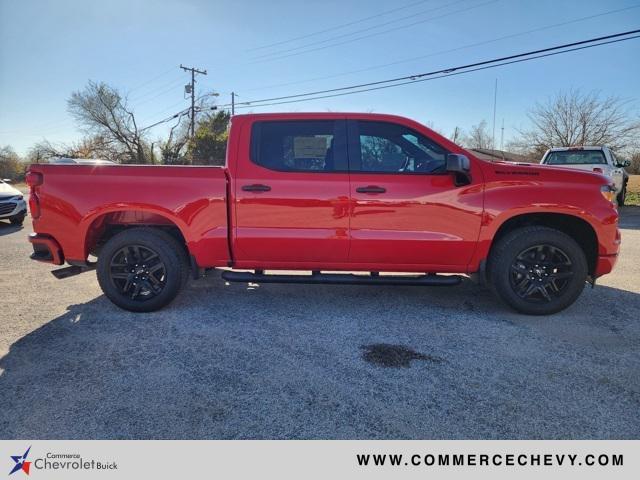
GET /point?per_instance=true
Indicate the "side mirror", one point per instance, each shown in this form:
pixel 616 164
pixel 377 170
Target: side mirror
pixel 461 167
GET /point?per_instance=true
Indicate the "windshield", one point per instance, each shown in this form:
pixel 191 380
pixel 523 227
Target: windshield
pixel 576 157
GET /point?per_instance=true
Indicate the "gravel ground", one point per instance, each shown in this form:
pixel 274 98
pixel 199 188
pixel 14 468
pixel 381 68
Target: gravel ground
pixel 289 361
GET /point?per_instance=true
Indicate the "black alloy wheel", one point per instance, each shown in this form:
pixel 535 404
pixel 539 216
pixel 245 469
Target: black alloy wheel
pixel 142 269
pixel 541 273
pixel 537 270
pixel 138 272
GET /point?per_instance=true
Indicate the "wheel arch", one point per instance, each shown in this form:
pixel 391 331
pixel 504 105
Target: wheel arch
pixel 98 229
pixel 577 228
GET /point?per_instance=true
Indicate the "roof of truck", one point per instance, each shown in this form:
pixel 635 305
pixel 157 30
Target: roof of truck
pixel 578 147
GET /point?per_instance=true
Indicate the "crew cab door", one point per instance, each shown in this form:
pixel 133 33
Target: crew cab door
pixel 407 211
pixel 291 194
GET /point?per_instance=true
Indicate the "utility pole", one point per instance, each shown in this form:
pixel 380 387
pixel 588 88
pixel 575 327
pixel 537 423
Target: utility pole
pixel 495 102
pixel 502 139
pixel 233 103
pixel 192 89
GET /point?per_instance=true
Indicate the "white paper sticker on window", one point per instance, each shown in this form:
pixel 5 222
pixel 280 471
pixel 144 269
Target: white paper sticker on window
pixel 310 147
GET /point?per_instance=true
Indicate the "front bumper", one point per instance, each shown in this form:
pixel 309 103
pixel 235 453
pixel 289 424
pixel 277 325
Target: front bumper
pixel 605 264
pixel 46 249
pixel 13 208
pixel 607 259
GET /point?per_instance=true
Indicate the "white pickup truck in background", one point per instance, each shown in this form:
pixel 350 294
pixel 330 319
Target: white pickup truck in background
pixel 595 159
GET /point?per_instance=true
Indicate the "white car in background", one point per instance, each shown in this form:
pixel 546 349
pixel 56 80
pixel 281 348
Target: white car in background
pixel 592 159
pixel 80 161
pixel 12 204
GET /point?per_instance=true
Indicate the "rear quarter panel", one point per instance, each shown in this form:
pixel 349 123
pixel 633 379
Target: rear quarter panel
pixel 75 200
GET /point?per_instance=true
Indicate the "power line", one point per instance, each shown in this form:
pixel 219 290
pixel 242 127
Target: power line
pixel 157 91
pixel 433 75
pixel 160 75
pixel 372 27
pixel 444 72
pixel 376 33
pixel 463 47
pixel 338 27
pixel 175 115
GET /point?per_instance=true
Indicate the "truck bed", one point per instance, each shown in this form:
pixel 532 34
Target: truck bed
pixel 81 200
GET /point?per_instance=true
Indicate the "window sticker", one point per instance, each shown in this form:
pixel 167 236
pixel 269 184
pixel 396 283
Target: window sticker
pixel 309 147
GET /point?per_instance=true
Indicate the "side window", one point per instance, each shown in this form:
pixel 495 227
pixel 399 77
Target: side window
pixel 392 148
pixel 297 146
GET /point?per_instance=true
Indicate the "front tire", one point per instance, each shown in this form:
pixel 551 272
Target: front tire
pixel 538 270
pixel 17 220
pixel 142 269
pixel 622 196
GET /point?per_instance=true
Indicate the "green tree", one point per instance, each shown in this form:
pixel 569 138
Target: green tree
pixel 10 165
pixel 209 145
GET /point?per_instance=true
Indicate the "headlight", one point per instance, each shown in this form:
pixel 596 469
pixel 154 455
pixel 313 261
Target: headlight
pixel 608 192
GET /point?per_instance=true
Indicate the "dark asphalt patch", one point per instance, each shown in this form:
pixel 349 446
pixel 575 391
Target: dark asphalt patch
pixel 394 356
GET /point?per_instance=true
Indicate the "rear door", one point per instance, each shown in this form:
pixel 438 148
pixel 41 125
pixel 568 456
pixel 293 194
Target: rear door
pixel 408 213
pixel 292 194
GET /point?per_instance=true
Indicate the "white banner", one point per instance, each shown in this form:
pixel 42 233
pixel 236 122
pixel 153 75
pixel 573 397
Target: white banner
pixel 319 459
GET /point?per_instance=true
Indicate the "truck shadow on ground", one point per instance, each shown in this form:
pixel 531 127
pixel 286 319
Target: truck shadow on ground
pixel 282 361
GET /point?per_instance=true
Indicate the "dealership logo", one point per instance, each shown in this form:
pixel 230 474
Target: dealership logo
pixel 21 462
pixel 59 461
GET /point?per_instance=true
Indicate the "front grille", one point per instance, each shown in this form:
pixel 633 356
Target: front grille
pixel 7 207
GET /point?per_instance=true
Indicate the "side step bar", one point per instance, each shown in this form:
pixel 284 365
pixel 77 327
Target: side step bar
pixel 343 279
pixel 72 270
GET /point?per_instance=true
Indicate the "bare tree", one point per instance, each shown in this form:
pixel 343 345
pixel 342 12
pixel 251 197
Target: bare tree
pixel 478 137
pixel 88 147
pixel 634 168
pixel 172 150
pixel 573 118
pixel 456 135
pixel 102 111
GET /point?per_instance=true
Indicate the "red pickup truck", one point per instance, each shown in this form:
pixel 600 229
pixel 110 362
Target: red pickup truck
pixel 329 192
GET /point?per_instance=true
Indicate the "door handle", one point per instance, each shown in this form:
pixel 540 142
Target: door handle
pixel 256 187
pixel 371 189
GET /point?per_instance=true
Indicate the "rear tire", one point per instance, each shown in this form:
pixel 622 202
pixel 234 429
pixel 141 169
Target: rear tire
pixel 537 270
pixel 142 269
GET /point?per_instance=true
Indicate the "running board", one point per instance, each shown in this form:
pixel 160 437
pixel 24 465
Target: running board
pixel 344 279
pixel 71 271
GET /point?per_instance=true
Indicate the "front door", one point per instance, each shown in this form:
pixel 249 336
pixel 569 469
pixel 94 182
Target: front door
pixel 407 212
pixel 292 195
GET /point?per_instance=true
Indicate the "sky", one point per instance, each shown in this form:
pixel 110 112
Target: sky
pixel 265 49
